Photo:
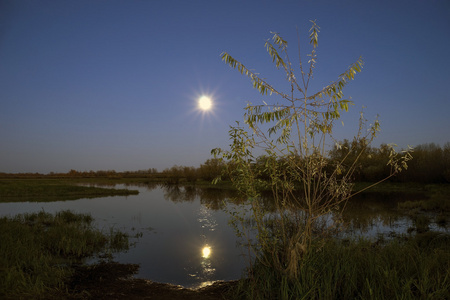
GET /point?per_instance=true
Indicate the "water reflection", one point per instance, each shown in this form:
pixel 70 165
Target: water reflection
pixel 203 265
pixel 208 225
pixel 377 213
pixel 176 193
pixel 169 227
pixel 185 237
pixel 367 214
pixel 211 198
pixel 206 252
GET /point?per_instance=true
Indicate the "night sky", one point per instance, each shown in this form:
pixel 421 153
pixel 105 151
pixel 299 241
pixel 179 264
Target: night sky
pixel 113 85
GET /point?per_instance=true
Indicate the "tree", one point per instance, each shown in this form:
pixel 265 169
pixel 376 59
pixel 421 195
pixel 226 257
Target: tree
pixel 306 186
pixel 173 175
pixel 210 169
pixel 190 173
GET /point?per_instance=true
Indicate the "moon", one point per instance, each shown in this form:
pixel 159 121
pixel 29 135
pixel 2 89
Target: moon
pixel 205 103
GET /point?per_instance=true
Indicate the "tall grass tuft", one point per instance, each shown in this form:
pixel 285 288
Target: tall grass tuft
pixel 418 268
pixel 37 251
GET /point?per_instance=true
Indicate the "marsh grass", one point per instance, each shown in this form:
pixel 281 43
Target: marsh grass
pixel 404 268
pixel 437 198
pixel 434 207
pixel 438 204
pixel 15 190
pixel 38 251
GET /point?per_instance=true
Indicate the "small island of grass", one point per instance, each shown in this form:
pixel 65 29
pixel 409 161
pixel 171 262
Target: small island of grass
pixel 20 190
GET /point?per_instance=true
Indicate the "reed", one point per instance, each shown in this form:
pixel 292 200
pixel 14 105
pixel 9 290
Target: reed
pixel 409 268
pixel 38 251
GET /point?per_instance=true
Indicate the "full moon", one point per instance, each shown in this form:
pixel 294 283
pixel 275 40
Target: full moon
pixel 205 103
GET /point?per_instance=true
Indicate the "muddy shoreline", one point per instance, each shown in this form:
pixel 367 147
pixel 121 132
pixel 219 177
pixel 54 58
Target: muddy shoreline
pixel 111 280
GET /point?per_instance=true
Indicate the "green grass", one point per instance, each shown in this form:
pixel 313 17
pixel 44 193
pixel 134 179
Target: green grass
pixel 38 251
pixel 15 190
pixel 415 268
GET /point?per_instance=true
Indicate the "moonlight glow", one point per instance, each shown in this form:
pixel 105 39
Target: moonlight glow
pixel 206 252
pixel 205 103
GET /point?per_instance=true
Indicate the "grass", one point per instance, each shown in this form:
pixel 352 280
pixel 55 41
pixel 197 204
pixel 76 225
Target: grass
pixel 435 206
pixel 404 267
pixel 38 252
pixel 438 200
pixel 19 190
pixel 409 268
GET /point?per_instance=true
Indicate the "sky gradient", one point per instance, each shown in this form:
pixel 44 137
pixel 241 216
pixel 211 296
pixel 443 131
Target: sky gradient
pixel 113 85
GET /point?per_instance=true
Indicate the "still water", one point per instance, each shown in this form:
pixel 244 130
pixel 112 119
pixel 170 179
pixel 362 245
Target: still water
pixel 183 236
pixel 184 239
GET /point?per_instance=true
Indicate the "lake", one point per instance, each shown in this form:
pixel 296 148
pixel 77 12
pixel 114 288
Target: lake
pixel 181 234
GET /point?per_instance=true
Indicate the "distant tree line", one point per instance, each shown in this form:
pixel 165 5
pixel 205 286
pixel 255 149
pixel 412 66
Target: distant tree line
pixel 85 174
pixel 431 164
pixel 207 171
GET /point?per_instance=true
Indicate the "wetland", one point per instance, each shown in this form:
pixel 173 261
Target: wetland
pixel 178 237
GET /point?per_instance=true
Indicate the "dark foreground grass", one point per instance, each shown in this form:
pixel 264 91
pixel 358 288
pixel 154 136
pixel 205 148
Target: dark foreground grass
pixel 38 252
pixel 15 190
pixel 413 268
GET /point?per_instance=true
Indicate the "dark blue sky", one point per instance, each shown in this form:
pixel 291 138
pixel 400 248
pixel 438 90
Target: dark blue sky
pixel 98 85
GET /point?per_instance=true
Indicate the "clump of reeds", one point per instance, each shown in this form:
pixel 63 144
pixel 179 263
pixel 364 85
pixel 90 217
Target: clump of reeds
pixel 37 251
pixel 409 268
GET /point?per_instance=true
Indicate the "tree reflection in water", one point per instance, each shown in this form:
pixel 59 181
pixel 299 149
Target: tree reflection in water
pixel 367 213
